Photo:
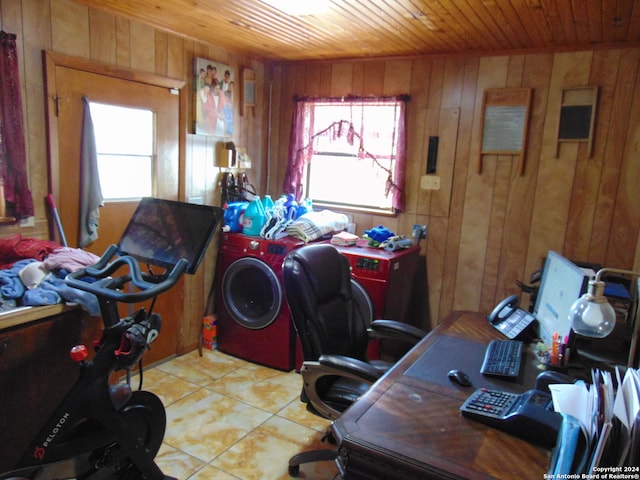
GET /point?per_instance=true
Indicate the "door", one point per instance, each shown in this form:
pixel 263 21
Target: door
pixel 66 86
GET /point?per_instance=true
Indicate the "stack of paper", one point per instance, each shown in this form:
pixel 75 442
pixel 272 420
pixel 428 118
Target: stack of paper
pixel 627 408
pixel 609 422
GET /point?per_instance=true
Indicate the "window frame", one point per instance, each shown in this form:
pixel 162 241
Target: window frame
pixel 304 134
pixel 151 157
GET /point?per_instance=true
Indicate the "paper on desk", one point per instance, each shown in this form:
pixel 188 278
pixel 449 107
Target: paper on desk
pixel 627 402
pixel 573 399
pixel 603 428
pixel 595 407
pixel 626 408
pixel 609 391
pixel 603 392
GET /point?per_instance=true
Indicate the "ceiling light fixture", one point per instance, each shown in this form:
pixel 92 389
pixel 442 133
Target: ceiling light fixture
pixel 299 7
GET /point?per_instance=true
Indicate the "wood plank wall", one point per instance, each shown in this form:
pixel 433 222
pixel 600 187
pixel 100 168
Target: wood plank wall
pixel 72 29
pixel 488 230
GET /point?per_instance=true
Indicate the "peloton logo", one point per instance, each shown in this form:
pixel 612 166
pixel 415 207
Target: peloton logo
pixel 39 452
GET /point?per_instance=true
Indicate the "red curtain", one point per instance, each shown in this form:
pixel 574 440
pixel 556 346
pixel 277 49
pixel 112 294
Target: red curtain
pixel 304 131
pixel 13 162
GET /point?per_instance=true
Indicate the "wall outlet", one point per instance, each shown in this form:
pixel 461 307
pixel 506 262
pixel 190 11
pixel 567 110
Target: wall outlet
pixel 430 182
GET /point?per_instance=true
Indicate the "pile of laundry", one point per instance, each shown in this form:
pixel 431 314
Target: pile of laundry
pixel 314 225
pixel 32 273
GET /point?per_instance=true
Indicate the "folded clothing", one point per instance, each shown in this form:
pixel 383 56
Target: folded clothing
pixel 16 248
pixel 33 282
pixel 40 296
pixel 54 290
pixel 344 239
pixel 313 225
pixel 11 285
pixel 70 259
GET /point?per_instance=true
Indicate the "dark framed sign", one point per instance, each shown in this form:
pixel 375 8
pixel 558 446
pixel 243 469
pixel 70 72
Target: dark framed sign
pixel 577 116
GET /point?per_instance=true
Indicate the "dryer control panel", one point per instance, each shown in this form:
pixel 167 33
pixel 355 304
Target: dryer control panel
pixel 366 263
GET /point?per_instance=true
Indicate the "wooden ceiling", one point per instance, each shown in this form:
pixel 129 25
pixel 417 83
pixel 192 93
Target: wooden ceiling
pixel 389 28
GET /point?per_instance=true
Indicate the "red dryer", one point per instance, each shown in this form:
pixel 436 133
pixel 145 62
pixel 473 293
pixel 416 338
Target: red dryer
pixel 388 277
pixel 253 319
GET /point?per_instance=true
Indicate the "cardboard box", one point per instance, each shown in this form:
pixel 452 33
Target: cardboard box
pixel 209 332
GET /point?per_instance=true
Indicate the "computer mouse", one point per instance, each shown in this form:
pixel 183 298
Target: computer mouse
pixel 459 377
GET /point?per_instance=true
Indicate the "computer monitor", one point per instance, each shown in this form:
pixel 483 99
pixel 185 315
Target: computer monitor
pixel 563 282
pixel 161 232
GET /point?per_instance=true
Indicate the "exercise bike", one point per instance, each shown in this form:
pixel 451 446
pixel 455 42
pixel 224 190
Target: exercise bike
pixel 108 431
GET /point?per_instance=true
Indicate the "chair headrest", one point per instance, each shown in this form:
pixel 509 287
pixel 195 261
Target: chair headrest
pixel 325 269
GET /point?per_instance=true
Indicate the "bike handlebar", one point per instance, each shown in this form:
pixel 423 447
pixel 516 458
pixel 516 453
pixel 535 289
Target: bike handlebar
pixel 109 287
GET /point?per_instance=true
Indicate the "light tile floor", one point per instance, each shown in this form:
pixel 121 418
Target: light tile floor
pixel 230 419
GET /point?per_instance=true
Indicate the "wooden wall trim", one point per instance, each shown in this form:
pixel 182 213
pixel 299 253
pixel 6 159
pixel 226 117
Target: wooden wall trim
pixel 113 70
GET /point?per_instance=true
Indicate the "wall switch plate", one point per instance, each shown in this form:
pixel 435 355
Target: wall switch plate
pixel 430 182
pixel 28 222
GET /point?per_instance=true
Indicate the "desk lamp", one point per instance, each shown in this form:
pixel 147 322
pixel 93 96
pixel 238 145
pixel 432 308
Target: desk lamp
pixel 592 315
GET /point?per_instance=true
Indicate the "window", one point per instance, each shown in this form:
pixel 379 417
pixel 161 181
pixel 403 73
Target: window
pixel 349 153
pixel 125 148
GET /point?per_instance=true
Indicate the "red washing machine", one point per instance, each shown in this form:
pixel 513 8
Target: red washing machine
pixel 252 313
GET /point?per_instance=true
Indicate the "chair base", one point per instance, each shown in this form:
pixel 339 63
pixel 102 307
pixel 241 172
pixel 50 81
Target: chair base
pixel 308 457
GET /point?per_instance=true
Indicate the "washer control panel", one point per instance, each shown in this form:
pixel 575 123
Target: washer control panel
pixel 276 249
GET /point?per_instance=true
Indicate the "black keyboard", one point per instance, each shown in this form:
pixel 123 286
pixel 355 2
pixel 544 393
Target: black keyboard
pixel 502 358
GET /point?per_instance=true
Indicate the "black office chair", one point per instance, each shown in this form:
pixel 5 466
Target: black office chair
pixel 334 326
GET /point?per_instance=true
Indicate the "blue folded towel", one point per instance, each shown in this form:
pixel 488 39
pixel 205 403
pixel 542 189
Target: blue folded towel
pixel 88 301
pixel 10 284
pixel 40 296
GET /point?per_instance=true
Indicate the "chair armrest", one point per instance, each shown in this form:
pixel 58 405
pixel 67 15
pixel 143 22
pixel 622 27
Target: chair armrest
pixel 356 369
pixel 396 330
pixel 334 365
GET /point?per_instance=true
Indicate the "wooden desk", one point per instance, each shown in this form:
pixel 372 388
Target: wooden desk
pixel 35 370
pixel 409 426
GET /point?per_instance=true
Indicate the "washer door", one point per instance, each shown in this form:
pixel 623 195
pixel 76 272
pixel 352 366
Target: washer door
pixel 252 293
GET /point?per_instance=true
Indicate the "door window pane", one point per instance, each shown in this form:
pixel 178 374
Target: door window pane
pixel 125 146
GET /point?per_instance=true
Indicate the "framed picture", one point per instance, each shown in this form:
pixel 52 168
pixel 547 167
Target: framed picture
pixel 214 103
